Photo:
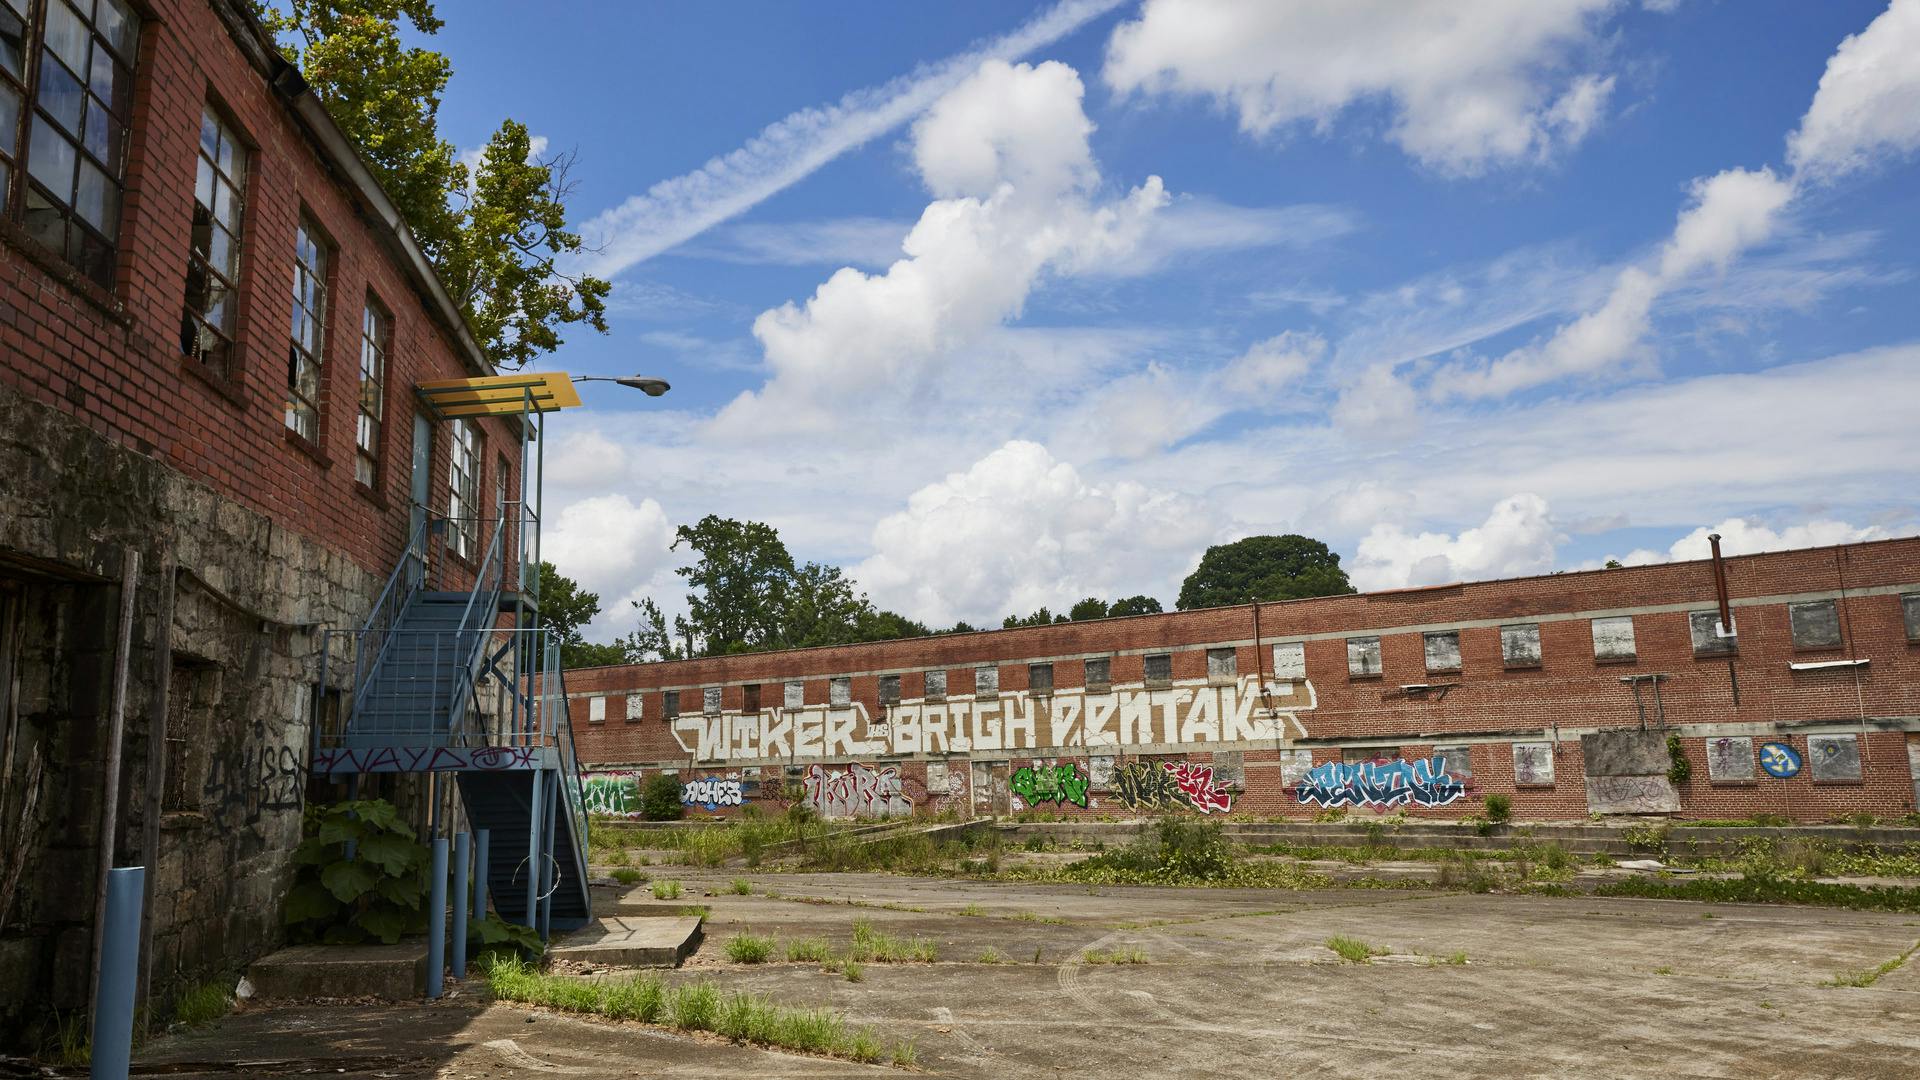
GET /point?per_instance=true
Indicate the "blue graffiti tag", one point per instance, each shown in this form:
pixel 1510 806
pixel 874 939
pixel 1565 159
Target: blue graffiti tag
pixel 1425 782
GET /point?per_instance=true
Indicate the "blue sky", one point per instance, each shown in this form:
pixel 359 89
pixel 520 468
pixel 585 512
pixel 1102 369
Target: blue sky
pixel 1464 289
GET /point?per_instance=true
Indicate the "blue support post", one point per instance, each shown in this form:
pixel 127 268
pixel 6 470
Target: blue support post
pixel 480 839
pixel 547 867
pixel 119 974
pixel 437 920
pixel 534 813
pixel 461 854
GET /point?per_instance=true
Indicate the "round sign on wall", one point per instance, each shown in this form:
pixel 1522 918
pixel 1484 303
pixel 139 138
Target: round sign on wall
pixel 1779 759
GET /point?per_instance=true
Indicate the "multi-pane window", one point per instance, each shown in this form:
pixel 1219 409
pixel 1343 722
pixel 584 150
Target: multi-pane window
pixel 670 704
pixel 1443 650
pixel 213 263
pixel 889 689
pixel 986 681
pixel 1520 645
pixel 1613 638
pixel 1099 675
pixel 308 337
pixel 1158 669
pixel 1816 625
pixel 1363 656
pixel 840 691
pixel 794 695
pixel 1290 660
pixel 1707 640
pixel 63 131
pixel 1223 665
pixel 1039 678
pixel 376 336
pixel 463 490
pixel 936 686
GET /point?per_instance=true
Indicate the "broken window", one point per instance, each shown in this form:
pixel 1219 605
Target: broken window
pixel 636 706
pixel 710 700
pixel 1290 660
pixel 376 337
pixel 840 691
pixel 307 348
pixel 1363 657
pixel 1159 669
pixel 1099 675
pixel 1520 645
pixel 213 260
pixel 986 682
pixel 1455 760
pixel 463 490
pixel 1910 609
pixel 936 686
pixel 596 710
pixel 1707 640
pixel 191 696
pixel 1443 650
pixel 794 696
pixel 1613 638
pixel 1816 625
pixel 889 689
pixel 1039 678
pixel 670 704
pixel 1223 665
pixel 750 695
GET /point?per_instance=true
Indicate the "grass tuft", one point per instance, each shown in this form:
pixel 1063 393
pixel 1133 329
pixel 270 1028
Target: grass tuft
pixel 666 890
pixel 809 951
pixel 1353 950
pixel 202 1004
pixel 749 949
pixel 742 887
pixel 990 955
pixel 852 970
pixel 627 875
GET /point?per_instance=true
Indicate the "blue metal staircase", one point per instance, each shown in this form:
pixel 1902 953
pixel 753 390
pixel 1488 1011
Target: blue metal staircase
pixel 439 685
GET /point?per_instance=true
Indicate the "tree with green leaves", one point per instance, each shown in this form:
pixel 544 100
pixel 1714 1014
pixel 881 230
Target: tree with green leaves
pixel 1135 605
pixel 1091 608
pixel 1042 617
pixel 742 579
pixel 496 233
pixel 1287 567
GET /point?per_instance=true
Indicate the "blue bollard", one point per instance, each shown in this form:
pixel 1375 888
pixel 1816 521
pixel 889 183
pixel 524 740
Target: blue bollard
pixel 119 971
pixel 460 855
pixel 480 837
pixel 437 921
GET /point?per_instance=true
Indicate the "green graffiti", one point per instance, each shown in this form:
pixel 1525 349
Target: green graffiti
pixel 1050 783
pixel 612 793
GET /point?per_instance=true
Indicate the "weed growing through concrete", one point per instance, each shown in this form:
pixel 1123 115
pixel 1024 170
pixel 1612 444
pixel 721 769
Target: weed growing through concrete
pixel 990 955
pixel 202 1004
pixel 1764 890
pixel 1036 953
pixel 1663 970
pixel 627 875
pixel 870 944
pixel 809 951
pixel 666 890
pixel 742 887
pixel 749 949
pixel 973 911
pixel 1131 954
pixel 1454 959
pixel 1353 950
pixel 698 911
pixel 1871 975
pixel 851 970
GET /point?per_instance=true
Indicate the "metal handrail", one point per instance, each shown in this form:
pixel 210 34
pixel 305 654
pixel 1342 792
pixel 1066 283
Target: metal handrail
pixel 491 567
pixel 385 611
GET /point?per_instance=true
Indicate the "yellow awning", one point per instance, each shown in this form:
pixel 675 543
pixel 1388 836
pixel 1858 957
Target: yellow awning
pixel 500 395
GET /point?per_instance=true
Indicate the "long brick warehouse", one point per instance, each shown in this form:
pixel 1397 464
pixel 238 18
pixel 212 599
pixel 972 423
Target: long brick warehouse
pixel 1610 691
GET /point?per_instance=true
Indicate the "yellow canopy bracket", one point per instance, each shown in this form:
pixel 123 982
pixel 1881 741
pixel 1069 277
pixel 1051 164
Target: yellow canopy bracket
pixel 499 395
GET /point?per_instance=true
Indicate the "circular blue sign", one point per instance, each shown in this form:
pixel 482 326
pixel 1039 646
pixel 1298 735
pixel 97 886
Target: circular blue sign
pixel 1779 759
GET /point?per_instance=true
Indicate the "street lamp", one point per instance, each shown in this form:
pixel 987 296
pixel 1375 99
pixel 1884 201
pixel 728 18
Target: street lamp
pixel 652 387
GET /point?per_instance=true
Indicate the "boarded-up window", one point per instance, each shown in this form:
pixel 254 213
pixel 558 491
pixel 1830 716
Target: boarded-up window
pixel 1834 757
pixel 794 695
pixel 1040 678
pixel 840 691
pixel 889 689
pixel 1705 627
pixel 1230 769
pixel 1910 608
pixel 1533 764
pixel 1363 656
pixel 1099 675
pixel 1159 669
pixel 1223 665
pixel 191 697
pixel 751 698
pixel 636 706
pixel 710 700
pixel 1443 650
pixel 1290 660
pixel 1456 760
pixel 1729 759
pixel 596 710
pixel 1520 645
pixel 986 682
pixel 1613 638
pixel 670 704
pixel 936 685
pixel 1816 625
pixel 1294 766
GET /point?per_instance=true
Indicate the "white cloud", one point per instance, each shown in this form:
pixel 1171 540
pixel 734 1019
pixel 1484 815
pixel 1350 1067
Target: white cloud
pixel 1518 538
pixel 1019 530
pixel 611 547
pixel 476 156
pixel 1741 536
pixel 1468 85
pixel 784 153
pixel 1868 106
pixel 1009 145
pixel 851 241
pixel 1195 225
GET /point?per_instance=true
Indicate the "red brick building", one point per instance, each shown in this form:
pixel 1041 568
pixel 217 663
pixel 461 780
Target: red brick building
pixel 211 323
pixel 1604 691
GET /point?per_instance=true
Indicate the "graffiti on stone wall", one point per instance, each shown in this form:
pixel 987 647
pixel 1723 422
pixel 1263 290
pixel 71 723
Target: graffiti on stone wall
pixel 1145 785
pixel 616 794
pixel 1050 783
pixel 1423 782
pixel 253 781
pixel 711 792
pixel 1187 713
pixel 856 791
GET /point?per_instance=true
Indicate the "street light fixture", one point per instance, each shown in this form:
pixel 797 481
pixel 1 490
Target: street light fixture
pixel 652 387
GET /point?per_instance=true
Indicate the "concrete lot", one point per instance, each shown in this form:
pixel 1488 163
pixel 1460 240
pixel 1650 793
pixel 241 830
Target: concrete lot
pixel 1239 983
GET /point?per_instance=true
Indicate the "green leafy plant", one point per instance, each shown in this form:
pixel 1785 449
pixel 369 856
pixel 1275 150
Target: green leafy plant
pixel 666 890
pixel 493 932
pixel 749 949
pixel 1679 769
pixel 1499 808
pixel 1353 950
pixel 378 893
pixel 660 798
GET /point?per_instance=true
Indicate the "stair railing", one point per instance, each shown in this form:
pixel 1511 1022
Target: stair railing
pixel 476 629
pixel 560 722
pixel 374 635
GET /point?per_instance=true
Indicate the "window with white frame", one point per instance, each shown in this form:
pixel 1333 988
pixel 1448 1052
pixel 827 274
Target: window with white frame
pixel 213 262
pixel 376 336
pixel 463 490
pixel 306 348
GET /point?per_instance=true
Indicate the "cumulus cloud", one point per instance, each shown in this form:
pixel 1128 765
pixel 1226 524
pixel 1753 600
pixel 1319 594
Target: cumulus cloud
pixel 1007 154
pixel 1468 85
pixel 1868 106
pixel 1741 536
pixel 1518 538
pixel 611 546
pixel 1019 529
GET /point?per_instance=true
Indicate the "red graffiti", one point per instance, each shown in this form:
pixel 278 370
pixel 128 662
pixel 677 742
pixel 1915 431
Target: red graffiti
pixel 1196 783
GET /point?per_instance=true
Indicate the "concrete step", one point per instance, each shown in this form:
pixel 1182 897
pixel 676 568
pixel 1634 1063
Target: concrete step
pixel 394 972
pixel 630 941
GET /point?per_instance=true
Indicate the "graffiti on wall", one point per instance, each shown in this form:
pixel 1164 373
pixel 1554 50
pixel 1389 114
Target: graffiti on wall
pixel 1146 785
pixel 856 791
pixel 1050 783
pixel 711 792
pixel 617 794
pixel 429 759
pixel 1424 782
pixel 250 782
pixel 1185 714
